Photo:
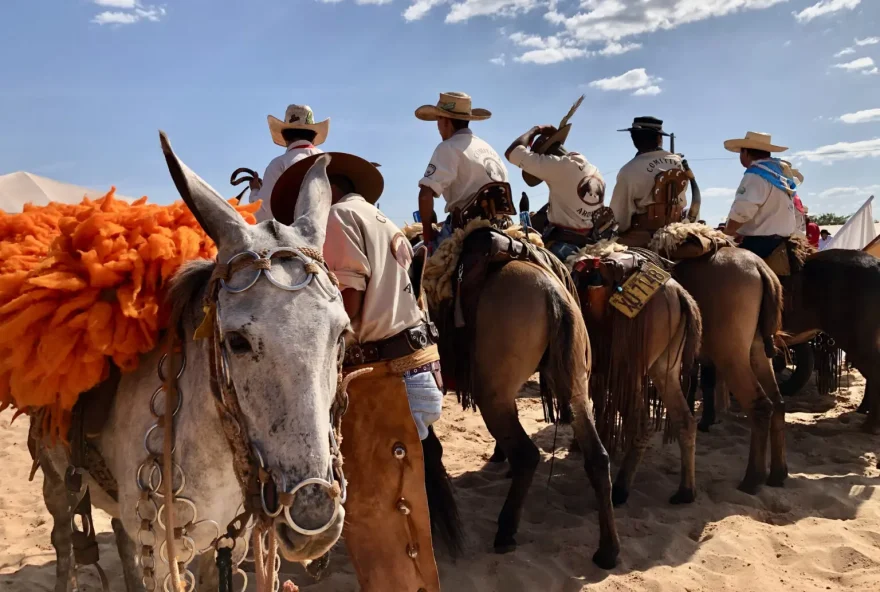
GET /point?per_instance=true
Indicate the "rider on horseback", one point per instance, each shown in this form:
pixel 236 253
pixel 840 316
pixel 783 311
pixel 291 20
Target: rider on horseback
pixel 460 166
pixel 763 211
pixel 576 186
pixel 635 190
pixel 300 135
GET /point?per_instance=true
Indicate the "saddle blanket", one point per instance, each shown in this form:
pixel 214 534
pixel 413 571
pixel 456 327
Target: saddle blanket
pixel 81 285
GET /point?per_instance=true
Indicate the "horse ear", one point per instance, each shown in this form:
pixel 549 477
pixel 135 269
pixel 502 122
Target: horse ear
pixel 313 206
pixel 215 215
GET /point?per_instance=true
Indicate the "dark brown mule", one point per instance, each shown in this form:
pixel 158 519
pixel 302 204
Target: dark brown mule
pixel 740 300
pixel 837 293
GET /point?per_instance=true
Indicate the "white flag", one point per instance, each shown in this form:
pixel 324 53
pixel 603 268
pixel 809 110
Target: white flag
pixel 858 231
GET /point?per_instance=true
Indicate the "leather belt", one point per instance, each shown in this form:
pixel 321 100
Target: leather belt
pixel 578 238
pixel 403 344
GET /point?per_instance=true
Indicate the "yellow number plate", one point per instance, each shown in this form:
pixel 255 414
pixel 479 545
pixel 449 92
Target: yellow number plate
pixel 639 289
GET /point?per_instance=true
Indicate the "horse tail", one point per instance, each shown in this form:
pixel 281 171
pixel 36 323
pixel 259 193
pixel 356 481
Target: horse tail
pixel 445 519
pixel 693 333
pixel 567 349
pixel 770 316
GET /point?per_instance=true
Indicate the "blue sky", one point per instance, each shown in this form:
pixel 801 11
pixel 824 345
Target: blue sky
pixel 87 84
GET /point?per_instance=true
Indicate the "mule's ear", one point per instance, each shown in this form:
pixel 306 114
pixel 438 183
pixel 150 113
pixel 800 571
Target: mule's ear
pixel 313 206
pixel 215 215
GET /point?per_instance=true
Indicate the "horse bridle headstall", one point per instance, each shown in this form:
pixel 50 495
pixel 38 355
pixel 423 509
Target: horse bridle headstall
pixel 264 498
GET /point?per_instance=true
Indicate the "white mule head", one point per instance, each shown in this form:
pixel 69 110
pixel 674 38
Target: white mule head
pixel 282 331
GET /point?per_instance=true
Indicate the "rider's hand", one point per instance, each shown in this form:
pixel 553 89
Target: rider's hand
pixel 546 130
pixel 256 184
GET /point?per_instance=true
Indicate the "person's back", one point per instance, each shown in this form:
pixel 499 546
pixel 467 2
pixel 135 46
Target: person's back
pixel 380 269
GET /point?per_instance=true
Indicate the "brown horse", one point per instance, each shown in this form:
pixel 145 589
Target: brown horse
pixel 526 319
pixel 740 299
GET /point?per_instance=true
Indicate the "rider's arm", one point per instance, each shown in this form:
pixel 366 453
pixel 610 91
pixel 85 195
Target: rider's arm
pixel 524 140
pixel 752 193
pixel 426 212
pixel 345 252
pixel 621 203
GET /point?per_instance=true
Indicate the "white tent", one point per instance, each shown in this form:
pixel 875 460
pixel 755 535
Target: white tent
pixel 18 189
pixel 858 232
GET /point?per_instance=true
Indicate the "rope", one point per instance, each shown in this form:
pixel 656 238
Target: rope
pixel 168 466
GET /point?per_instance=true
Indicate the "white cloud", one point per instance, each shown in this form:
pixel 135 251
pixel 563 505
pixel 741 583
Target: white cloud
pixel 546 50
pixel 873 70
pixel 467 9
pixel 499 61
pixel 844 192
pixel 859 64
pixel 636 80
pixel 868 41
pixel 551 55
pixel 718 192
pixel 131 11
pixel 373 2
pixel 845 51
pixel 648 91
pixel 115 18
pixel 126 4
pixel 841 151
pixel 612 48
pixel 824 8
pixel 420 8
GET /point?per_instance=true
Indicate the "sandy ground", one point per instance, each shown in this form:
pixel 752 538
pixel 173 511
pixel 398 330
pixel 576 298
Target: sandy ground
pixel 821 532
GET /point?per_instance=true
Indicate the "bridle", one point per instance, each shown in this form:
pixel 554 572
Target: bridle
pixel 257 482
pixel 264 500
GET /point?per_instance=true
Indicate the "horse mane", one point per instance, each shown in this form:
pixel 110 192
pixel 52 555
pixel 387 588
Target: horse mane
pixel 187 289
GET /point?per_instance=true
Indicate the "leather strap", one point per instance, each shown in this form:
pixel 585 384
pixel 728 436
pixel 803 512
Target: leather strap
pixel 400 345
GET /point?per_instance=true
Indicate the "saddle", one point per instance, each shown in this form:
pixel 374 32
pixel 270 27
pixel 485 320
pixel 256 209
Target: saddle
pixel 493 202
pixel 790 256
pixel 484 251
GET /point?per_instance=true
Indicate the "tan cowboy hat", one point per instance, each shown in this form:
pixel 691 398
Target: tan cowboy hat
pixel 298 117
pixel 754 141
pixel 543 143
pixel 452 105
pixel 367 180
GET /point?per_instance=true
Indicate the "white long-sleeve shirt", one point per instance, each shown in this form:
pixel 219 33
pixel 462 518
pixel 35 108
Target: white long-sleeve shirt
pixel 295 152
pixel 763 209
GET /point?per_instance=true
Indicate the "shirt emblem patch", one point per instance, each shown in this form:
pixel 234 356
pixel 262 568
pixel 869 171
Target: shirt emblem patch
pixel 430 170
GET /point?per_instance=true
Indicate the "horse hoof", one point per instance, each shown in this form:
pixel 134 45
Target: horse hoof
pixel 509 474
pixel 498 456
pixel 619 495
pixel 777 478
pixel 606 558
pixel 751 485
pixel 504 545
pixel 574 446
pixel 683 496
pixel 704 426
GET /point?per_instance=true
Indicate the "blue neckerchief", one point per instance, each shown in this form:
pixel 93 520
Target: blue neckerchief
pixel 771 171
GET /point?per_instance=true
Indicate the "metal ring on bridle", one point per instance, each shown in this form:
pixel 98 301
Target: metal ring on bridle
pixel 154 427
pixel 188 545
pixel 161 389
pixel 267 272
pixel 179 372
pixel 312 531
pixel 183 500
pixel 158 487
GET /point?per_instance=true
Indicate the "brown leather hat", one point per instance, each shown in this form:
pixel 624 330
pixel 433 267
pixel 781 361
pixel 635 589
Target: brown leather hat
pixel 364 175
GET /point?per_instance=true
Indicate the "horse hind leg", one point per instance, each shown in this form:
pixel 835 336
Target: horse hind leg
pixel 762 366
pixel 666 373
pixel 752 399
pixel 55 498
pixel 626 474
pixel 503 423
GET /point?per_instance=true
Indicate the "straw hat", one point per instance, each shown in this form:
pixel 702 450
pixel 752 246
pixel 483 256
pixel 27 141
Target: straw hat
pixel 367 180
pixel 754 141
pixel 452 105
pixel 298 117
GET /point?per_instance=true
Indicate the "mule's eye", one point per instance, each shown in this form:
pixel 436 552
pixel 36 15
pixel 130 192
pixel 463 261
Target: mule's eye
pixel 238 343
